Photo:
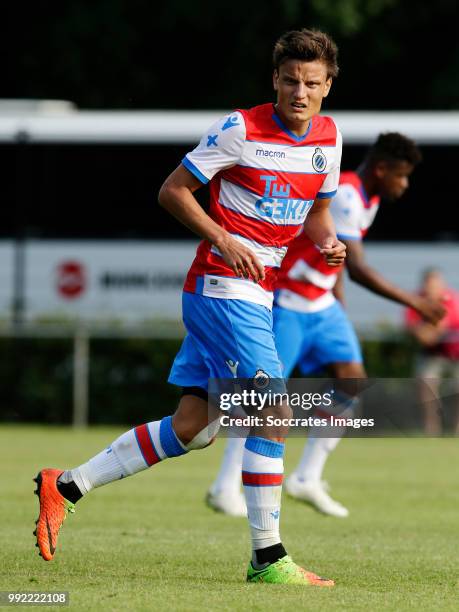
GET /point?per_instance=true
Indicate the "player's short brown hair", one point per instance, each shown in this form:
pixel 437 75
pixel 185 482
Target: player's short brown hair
pixel 307 46
pixel 394 147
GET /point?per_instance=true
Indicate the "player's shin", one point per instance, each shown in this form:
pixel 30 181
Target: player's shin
pixel 323 440
pixel 262 474
pixel 229 476
pixel 134 451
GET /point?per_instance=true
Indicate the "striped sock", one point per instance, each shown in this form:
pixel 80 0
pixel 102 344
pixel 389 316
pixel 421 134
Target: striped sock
pixel 262 474
pixel 134 451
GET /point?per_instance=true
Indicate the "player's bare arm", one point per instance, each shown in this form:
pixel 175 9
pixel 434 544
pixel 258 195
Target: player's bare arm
pixel 363 274
pixel 176 196
pixel 338 289
pixel 319 227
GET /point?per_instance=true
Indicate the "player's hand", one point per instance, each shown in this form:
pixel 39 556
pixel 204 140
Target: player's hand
pixel 241 259
pixel 430 310
pixel 334 251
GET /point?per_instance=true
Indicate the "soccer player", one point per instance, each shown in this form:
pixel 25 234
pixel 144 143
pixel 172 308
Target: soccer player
pixel 310 325
pixel 268 167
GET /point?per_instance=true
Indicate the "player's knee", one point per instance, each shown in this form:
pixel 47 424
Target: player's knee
pixel 351 369
pixel 204 438
pixel 194 433
pixel 192 414
pixel 282 411
pixel 185 429
pixel 276 420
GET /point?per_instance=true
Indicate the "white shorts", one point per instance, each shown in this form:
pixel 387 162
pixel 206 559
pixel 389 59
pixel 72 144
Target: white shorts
pixel 436 366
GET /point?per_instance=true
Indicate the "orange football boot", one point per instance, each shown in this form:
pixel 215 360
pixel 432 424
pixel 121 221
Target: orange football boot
pixel 53 512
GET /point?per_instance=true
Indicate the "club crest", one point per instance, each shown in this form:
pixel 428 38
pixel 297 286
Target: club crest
pixel 261 379
pixel 319 161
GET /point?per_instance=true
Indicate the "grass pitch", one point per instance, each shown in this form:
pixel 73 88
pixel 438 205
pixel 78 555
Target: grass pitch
pixel 149 542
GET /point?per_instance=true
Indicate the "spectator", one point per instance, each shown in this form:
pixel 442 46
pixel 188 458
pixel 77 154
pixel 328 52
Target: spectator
pixel 439 355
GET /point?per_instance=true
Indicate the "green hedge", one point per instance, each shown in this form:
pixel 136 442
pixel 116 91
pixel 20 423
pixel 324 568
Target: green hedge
pixel 128 377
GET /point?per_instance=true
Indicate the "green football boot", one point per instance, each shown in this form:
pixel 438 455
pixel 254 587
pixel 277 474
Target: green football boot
pixel 285 571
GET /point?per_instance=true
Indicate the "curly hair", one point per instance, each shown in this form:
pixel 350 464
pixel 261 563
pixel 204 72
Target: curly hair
pixel 394 147
pixel 307 46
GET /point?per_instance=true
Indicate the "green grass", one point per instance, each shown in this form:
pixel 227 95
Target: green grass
pixel 149 543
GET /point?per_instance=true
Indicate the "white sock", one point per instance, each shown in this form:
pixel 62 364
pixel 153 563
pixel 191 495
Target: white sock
pixel 229 477
pixel 134 451
pixel 314 457
pixel 262 474
pixel 318 446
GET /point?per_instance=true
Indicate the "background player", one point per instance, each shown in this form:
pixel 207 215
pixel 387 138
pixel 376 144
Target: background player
pixel 439 355
pixel 310 325
pixel 260 198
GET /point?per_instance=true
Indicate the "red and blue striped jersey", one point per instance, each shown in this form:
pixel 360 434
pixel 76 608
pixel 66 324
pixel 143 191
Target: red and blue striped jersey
pixel 306 281
pixel 263 181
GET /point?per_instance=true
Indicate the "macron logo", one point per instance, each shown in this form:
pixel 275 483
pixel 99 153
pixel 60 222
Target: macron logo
pixel 269 153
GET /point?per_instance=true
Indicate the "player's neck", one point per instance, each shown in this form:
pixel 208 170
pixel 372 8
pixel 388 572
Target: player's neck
pixel 297 128
pixel 368 182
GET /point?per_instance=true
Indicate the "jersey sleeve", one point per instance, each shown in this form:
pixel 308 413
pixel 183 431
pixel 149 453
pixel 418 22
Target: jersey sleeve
pixel 330 184
pixel 346 209
pixel 219 148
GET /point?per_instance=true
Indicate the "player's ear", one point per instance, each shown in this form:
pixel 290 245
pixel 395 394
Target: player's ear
pixel 328 84
pixel 380 169
pixel 275 79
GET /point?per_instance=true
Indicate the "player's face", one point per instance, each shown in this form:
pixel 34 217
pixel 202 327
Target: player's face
pixel 393 178
pixel 301 87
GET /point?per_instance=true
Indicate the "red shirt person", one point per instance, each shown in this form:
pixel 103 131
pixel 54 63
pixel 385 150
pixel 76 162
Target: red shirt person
pixel 439 343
